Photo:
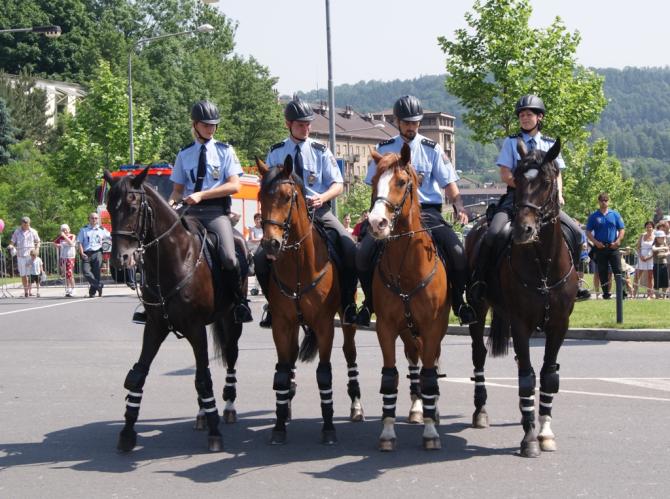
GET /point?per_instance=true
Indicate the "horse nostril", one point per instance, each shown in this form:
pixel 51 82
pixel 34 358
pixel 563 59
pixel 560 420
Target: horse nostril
pixel 383 223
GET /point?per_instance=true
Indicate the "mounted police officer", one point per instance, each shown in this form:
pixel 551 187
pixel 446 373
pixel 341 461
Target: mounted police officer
pixel 530 111
pixel 435 174
pixel 205 175
pixel 316 165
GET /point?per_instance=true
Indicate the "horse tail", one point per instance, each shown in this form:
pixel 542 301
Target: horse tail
pixel 309 346
pixel 499 337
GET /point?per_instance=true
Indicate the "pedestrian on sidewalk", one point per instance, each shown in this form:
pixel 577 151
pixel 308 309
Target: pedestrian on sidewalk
pixel 24 239
pixel 90 240
pixel 66 243
pixel 36 268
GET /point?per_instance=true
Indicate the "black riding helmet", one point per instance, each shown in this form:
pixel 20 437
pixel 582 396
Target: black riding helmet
pixel 408 108
pixel 532 102
pixel 205 112
pixel 297 110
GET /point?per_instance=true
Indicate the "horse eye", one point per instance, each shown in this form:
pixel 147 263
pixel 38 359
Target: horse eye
pixel 401 182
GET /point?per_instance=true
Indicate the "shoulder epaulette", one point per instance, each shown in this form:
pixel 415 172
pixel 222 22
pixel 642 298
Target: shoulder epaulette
pixel 186 147
pixel 386 142
pixel 548 139
pixel 319 146
pixel 222 144
pixel 429 143
pixel 515 135
pixel 276 146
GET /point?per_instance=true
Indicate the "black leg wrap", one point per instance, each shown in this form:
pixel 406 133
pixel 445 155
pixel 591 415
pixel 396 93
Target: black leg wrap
pixel 414 380
pixel 281 386
pixel 229 390
pixel 549 384
pixel 203 385
pixel 430 391
pixel 353 388
pixel 389 391
pixel 527 397
pixel 526 382
pixel 324 378
pixel 135 378
pixel 480 389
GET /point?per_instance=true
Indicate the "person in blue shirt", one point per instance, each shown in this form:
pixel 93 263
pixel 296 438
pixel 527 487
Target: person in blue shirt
pixel 436 177
pixel 89 242
pixel 530 112
pixel 605 229
pixel 323 182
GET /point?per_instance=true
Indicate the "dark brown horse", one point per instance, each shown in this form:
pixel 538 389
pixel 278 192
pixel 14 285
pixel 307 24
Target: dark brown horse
pixel 179 295
pixel 410 293
pixel 533 288
pixel 303 292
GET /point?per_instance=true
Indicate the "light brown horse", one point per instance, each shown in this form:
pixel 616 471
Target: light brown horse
pixel 303 292
pixel 410 291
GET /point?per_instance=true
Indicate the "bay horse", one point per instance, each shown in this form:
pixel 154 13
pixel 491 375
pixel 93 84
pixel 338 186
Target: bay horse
pixel 303 292
pixel 179 295
pixel 410 293
pixel 533 287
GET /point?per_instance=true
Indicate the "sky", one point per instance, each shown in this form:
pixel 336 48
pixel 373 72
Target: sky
pixel 397 39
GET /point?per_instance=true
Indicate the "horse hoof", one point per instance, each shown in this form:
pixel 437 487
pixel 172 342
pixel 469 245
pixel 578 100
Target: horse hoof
pixel 215 443
pixel 415 418
pixel 328 437
pixel 530 449
pixel 432 443
pixel 480 420
pixel 229 416
pixel 356 416
pixel 387 445
pixel 200 423
pixel 127 442
pixel 547 444
pixel 278 437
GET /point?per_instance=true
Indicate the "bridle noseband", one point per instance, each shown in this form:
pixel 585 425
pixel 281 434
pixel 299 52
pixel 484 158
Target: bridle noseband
pixel 546 212
pixel 397 208
pixel 286 224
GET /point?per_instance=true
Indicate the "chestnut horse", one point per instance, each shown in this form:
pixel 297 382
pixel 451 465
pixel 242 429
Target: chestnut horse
pixel 179 295
pixel 533 287
pixel 410 292
pixel 303 292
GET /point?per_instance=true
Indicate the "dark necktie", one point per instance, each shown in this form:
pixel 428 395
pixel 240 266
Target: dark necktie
pixel 298 164
pixel 202 168
pixel 531 144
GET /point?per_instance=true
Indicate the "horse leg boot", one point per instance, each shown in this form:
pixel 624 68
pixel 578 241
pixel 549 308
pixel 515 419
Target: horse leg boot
pixel 134 383
pixel 430 394
pixel 229 396
pixel 207 401
pixel 324 379
pixel 416 409
pixel 354 392
pixel 549 382
pixel 529 445
pixel 282 388
pixel 389 391
pixel 480 418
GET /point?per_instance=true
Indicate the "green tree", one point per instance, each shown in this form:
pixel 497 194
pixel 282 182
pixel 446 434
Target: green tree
pixel 7 133
pixel 499 58
pixel 27 106
pixel 356 202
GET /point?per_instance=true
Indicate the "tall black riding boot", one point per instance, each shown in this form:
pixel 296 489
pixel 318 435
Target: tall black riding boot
pixel 263 280
pixel 348 281
pixel 241 312
pixel 477 290
pixel 465 313
pixel 365 312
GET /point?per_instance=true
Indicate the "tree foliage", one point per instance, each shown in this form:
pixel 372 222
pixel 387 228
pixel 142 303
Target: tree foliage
pixel 27 106
pixel 7 133
pixel 354 203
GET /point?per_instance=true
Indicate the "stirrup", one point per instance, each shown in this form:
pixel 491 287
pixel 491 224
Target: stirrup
pixel 466 315
pixel 242 313
pixel 349 315
pixel 266 319
pixel 140 317
pixel 477 290
pixel 363 316
pixel 583 294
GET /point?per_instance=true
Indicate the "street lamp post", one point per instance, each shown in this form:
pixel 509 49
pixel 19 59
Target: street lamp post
pixel 204 28
pixel 48 31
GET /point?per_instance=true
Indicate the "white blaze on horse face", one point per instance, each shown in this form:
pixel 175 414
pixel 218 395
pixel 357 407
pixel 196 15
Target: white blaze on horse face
pixel 378 216
pixel 531 174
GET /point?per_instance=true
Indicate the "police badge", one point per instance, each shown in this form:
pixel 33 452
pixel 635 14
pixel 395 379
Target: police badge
pixel 311 179
pixel 215 173
pixel 420 176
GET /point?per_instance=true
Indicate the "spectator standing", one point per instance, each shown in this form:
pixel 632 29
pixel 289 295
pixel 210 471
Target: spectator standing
pixel 346 223
pixel 24 239
pixel 255 233
pixel 661 253
pixel 66 243
pixel 35 269
pixel 90 240
pixel 644 274
pixel 605 229
pixel 658 215
pixel 358 228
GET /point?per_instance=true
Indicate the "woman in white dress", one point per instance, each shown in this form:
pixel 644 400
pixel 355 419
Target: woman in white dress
pixel 644 274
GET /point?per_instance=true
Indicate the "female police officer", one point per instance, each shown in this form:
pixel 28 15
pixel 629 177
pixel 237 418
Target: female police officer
pixel 530 111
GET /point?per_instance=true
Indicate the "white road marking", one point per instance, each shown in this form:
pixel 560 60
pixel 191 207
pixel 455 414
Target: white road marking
pixel 70 302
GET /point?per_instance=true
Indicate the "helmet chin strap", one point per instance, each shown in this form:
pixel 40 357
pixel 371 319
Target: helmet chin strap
pixel 200 137
pixel 296 139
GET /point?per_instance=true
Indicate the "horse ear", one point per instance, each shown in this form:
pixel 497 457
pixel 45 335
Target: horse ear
pixel 139 180
pixel 521 147
pixel 375 154
pixel 405 155
pixel 553 152
pixel 262 167
pixel 108 177
pixel 288 165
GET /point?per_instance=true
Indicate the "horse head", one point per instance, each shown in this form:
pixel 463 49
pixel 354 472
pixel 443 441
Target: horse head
pixel 127 206
pixel 281 196
pixel 393 184
pixel 536 194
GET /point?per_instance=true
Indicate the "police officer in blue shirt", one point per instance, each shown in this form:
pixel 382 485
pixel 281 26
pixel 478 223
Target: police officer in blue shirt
pixel 605 229
pixel 530 111
pixel 89 241
pixel 435 174
pixel 316 165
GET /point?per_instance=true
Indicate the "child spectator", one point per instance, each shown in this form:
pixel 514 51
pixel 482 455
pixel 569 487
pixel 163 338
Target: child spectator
pixel 66 243
pixel 661 254
pixel 35 270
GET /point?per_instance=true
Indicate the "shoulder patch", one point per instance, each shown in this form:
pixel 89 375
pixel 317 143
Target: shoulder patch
pixel 548 139
pixel 186 147
pixel 319 146
pixel 276 146
pixel 386 142
pixel 515 135
pixel 429 143
pixel 223 145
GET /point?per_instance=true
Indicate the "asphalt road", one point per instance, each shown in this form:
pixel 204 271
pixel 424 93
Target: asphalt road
pixel 63 362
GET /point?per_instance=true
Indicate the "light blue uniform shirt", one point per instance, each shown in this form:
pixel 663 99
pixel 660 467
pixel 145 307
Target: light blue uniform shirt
pixel 91 238
pixel 509 156
pixel 429 162
pixel 222 163
pixel 320 169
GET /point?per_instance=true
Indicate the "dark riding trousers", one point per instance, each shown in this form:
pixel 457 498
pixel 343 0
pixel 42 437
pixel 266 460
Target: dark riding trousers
pixel 214 219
